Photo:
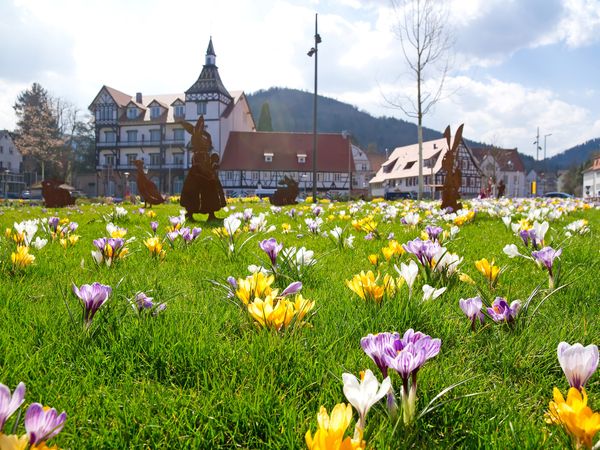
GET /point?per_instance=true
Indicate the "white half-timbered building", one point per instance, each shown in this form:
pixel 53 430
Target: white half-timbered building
pixel 400 172
pixel 148 127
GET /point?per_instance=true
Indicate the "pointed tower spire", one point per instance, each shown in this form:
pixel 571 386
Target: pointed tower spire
pixel 211 57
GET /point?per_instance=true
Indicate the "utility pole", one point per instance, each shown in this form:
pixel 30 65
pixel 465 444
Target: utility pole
pixel 314 52
pixel 545 136
pixel 537 145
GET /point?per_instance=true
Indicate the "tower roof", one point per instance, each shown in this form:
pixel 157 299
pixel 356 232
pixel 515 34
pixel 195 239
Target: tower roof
pixel 209 80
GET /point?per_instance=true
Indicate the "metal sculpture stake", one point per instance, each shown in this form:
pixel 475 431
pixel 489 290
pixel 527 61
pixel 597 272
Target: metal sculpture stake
pixel 452 183
pixel 202 191
pixel 286 195
pixel 147 189
pixel 55 196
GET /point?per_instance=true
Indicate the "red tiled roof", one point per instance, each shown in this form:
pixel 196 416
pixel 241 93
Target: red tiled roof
pixel 246 151
pixel 502 157
pixel 120 97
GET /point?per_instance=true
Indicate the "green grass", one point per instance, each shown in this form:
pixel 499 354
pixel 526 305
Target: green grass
pixel 201 375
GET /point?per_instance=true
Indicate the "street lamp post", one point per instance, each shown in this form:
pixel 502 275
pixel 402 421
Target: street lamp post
pixel 126 193
pixel 314 52
pixel 545 136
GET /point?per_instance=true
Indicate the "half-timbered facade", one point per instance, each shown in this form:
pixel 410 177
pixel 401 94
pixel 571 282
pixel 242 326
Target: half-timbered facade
pixel 400 172
pixel 255 162
pixel 148 127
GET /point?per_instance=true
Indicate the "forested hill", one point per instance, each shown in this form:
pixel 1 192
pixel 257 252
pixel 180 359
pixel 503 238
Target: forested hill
pixel 292 110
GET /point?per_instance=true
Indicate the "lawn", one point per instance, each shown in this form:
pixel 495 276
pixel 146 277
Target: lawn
pixel 203 374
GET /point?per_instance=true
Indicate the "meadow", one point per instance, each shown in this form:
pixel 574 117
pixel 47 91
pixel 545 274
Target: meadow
pixel 203 372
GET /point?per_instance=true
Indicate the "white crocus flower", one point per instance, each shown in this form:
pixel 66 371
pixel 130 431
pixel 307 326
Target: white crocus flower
pixel 506 220
pixel 540 230
pixel 231 224
pixel 349 241
pixel 511 250
pixel 39 243
pixel 412 219
pixel 336 233
pixel 28 228
pixel 365 393
pixel 120 211
pixel 431 293
pixel 409 273
pixel 253 268
pixel 578 362
pixel 515 227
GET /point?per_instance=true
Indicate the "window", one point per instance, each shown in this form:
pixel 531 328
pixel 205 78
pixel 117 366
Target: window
pixel 301 158
pixel 178 159
pixel 155 111
pixel 1 149
pixel 9 165
pixel 337 177
pixel 387 168
pixel 104 113
pixel 154 159
pixel 132 136
pixel 132 112
pixel 201 108
pixel 178 111
pixel 109 160
pixel 155 135
pixel 110 136
pixel 131 157
pixel 10 150
pixel 409 165
pixel 178 134
pixel 255 175
pixel 268 157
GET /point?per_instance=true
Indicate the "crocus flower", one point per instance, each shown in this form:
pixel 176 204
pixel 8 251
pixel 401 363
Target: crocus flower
pixel 433 232
pixel 365 393
pixel 578 362
pixel 409 273
pixel 472 309
pixel 231 224
pixel 42 423
pixel 154 226
pixel 293 288
pixel 511 250
pixel 377 346
pixel 424 251
pixel 488 270
pixel 575 416
pixel 10 403
pixel 546 256
pixel 271 248
pixel 431 293
pixel 92 297
pixel 330 433
pixel 501 311
pixel 21 258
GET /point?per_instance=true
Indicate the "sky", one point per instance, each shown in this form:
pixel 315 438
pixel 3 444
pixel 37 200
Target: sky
pixel 515 65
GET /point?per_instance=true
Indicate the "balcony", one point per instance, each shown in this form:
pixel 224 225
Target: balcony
pixel 131 167
pixel 142 143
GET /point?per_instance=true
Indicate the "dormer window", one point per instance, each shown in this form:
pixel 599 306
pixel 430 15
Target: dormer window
pixel 178 111
pixel 132 112
pixel 301 158
pixel 268 157
pixel 155 112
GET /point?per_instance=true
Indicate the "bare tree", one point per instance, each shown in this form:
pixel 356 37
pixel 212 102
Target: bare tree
pixel 422 30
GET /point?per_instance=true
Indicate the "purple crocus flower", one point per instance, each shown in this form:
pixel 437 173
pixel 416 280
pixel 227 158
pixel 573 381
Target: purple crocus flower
pixel 73 227
pixel 317 210
pixel 186 234
pixel 160 308
pixel 424 251
pixel 292 213
pixel 43 424
pixel 433 232
pixel 369 236
pixel 271 248
pixel 10 403
pixel 142 301
pixel 546 256
pixel 53 223
pixel 232 281
pixel 92 297
pixel 524 234
pixel 472 309
pixel 172 235
pixel 154 226
pixel 378 346
pixel 196 232
pixel 115 244
pixel 174 221
pixel 293 288
pixel 501 311
pixel 100 244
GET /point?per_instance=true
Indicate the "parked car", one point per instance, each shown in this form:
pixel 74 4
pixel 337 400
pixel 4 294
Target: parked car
pixel 557 195
pixel 399 196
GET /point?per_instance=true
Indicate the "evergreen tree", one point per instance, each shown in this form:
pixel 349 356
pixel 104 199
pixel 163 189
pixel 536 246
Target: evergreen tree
pixel 264 121
pixel 37 135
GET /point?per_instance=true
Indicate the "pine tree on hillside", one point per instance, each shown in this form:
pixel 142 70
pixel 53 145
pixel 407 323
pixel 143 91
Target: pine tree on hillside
pixel 264 121
pixel 37 134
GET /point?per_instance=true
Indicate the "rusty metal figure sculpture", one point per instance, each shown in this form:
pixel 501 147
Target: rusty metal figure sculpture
pixel 452 183
pixel 56 196
pixel 286 195
pixel 147 189
pixel 202 191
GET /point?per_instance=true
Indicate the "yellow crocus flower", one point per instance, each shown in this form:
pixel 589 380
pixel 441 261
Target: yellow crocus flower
pixel 330 433
pixel 286 227
pixel 373 259
pixel 488 270
pixel 575 416
pixel 155 247
pixel 22 258
pixel 151 214
pixel 272 312
pixel 388 252
pixel 466 278
pixel 256 285
pixel 365 286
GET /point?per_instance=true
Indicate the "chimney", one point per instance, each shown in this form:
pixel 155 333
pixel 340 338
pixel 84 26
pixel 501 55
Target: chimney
pixel 434 146
pixel 138 97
